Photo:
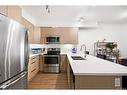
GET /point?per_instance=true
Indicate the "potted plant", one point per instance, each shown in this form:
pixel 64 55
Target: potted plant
pixel 111 46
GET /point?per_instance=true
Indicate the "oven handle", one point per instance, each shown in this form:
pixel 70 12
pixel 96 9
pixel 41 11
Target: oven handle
pixel 51 55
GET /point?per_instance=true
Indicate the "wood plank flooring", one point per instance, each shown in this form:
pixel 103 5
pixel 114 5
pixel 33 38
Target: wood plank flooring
pixel 49 81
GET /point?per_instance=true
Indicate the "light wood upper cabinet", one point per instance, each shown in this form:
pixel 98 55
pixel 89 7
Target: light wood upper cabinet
pixel 3 10
pixel 30 28
pixel 68 35
pixel 34 32
pixel 31 33
pixel 14 12
pixel 47 32
pixel 37 35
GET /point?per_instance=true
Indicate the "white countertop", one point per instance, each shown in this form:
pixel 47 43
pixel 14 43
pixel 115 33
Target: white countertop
pixel 32 55
pixel 95 66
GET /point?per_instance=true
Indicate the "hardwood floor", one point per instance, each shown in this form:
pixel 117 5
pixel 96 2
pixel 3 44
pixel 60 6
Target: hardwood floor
pixel 49 81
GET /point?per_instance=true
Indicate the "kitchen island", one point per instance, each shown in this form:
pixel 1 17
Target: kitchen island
pixel 94 73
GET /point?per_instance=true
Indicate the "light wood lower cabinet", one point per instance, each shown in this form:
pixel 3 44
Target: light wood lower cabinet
pixel 33 67
pixel 41 63
pixel 63 63
pixel 97 82
pixel 68 75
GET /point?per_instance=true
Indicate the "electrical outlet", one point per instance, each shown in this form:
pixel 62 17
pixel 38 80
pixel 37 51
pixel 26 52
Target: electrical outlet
pixel 117 82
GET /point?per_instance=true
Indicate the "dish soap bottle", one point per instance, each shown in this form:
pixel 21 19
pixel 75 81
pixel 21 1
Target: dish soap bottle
pixel 74 50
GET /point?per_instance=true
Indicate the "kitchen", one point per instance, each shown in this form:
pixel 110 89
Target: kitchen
pixel 80 49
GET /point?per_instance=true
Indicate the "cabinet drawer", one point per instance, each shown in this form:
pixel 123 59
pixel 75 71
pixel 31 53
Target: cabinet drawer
pixel 32 73
pixel 33 59
pixel 33 67
pixel 33 63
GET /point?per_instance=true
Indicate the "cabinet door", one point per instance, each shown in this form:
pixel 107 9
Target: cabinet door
pixel 3 10
pixel 31 33
pixel 30 28
pixel 41 63
pixel 46 32
pixel 69 35
pixel 34 32
pixel 24 22
pixel 73 35
pixel 14 12
pixel 63 65
pixel 68 74
pixel 36 35
pixel 37 64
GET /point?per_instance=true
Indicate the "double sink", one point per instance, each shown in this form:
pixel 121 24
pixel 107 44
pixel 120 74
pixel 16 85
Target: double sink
pixel 77 58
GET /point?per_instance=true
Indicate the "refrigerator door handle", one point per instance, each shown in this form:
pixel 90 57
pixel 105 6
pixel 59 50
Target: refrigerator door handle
pixel 26 49
pixel 13 82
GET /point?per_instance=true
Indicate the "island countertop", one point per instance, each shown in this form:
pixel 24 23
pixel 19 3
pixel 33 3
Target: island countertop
pixel 95 66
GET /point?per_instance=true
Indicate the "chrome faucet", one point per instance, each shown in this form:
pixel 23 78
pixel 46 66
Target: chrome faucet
pixel 84 50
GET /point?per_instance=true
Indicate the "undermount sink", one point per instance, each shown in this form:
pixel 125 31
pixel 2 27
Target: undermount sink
pixel 77 58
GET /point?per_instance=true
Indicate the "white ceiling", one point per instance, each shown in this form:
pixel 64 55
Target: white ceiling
pixel 69 15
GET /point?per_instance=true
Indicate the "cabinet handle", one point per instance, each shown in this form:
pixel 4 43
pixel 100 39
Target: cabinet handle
pixel 33 62
pixel 33 58
pixel 33 70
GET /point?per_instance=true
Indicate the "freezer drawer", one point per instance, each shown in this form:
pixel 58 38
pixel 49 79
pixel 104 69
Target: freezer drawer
pixel 18 82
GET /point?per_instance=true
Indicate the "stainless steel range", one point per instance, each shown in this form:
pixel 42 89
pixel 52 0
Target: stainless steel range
pixel 52 60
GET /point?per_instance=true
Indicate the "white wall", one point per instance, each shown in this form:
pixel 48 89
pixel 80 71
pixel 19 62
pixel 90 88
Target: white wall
pixel 110 32
pixel 28 17
pixel 123 39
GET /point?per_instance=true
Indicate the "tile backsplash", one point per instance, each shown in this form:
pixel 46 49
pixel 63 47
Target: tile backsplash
pixel 64 47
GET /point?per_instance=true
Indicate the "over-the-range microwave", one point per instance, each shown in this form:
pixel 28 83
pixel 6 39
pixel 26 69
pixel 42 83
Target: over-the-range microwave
pixel 53 40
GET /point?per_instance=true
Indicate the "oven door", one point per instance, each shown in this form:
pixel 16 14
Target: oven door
pixel 52 60
pixel 51 63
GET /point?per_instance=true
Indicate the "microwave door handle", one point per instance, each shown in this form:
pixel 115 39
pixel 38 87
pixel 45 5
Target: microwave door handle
pixel 7 85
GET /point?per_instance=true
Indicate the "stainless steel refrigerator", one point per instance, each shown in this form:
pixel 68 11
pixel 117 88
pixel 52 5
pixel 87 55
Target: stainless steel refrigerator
pixel 13 54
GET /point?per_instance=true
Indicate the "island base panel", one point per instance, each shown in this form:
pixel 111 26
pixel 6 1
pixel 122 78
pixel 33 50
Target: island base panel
pixel 96 82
